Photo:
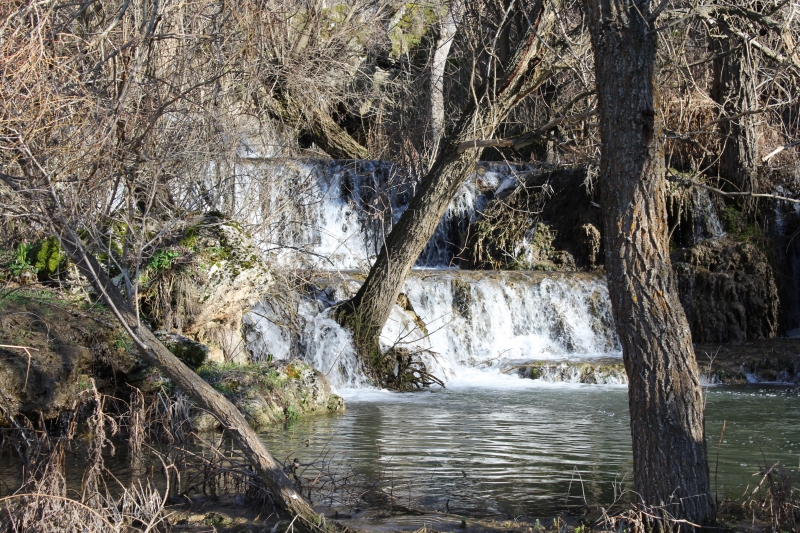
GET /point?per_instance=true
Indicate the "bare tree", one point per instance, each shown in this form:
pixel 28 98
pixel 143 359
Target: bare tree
pixel 447 30
pixel 667 425
pixel 529 67
pixel 105 113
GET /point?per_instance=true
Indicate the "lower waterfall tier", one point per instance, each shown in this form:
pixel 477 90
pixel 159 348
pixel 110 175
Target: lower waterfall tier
pixel 452 320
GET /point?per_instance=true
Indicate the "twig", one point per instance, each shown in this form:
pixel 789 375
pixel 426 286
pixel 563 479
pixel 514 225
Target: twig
pixel 27 351
pixel 778 150
pixel 521 140
pixel 64 499
pixel 687 181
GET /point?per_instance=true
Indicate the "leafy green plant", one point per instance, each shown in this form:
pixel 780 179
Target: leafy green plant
pixel 163 260
pixel 19 262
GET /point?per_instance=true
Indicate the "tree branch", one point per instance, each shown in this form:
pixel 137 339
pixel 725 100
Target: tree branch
pixel 526 139
pixel 690 182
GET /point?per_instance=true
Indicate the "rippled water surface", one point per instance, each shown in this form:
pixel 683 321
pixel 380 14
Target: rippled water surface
pixel 521 447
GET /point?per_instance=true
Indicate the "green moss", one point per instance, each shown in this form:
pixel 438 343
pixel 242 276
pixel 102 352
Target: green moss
pixel 190 237
pixel 738 226
pixel 45 256
pixel 411 27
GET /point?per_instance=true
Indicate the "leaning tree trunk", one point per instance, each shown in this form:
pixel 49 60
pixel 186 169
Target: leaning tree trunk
pixel 734 91
pixel 203 395
pixel 368 311
pixel 666 403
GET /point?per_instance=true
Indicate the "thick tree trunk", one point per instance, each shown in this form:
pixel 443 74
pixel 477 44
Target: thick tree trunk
pixel 368 311
pixel 203 395
pixel 734 91
pixel 666 402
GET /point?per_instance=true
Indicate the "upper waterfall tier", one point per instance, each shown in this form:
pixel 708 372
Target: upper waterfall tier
pixel 335 214
pixel 453 320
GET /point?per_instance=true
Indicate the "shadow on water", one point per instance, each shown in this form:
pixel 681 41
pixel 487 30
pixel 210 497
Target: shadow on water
pixel 533 450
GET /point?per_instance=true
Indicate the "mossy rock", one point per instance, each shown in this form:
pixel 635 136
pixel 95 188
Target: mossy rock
pixel 45 257
pixel 192 354
pixel 273 393
pixel 202 281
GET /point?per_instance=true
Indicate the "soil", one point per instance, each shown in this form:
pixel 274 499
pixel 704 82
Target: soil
pixel 236 516
pixel 70 343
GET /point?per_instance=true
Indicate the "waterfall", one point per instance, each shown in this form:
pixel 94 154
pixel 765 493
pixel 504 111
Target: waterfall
pixel 706 222
pixel 455 322
pixel 334 215
pixel 330 217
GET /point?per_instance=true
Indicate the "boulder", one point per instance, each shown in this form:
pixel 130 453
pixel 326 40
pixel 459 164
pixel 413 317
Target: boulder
pixel 211 274
pixel 271 393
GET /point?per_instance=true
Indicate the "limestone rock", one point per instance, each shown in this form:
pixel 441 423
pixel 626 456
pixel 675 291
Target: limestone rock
pixel 215 275
pixel 272 393
pixel 728 291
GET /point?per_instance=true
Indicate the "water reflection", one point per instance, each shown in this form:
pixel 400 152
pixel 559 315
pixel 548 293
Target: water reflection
pixel 531 450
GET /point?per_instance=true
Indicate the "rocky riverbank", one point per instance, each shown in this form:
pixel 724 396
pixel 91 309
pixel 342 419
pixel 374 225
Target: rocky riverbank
pixel 55 347
pixel 764 361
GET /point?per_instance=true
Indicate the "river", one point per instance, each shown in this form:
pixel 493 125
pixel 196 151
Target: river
pixel 497 445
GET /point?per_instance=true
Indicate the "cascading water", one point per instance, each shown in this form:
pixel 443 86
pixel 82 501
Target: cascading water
pixel 705 220
pixel 335 214
pixel 455 322
pixel 452 320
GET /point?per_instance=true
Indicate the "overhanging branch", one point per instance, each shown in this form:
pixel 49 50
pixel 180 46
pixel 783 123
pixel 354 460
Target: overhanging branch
pixel 690 182
pixel 526 139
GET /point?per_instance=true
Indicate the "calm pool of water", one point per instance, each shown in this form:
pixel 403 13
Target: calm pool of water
pixel 529 448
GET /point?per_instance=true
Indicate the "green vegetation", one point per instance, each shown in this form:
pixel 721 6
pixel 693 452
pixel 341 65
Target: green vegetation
pixel 740 227
pixel 410 28
pixel 163 260
pixel 46 257
pixel 229 377
pixel 19 264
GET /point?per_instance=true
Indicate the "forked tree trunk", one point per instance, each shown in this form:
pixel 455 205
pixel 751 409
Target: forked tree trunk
pixel 203 395
pixel 734 91
pixel 368 311
pixel 670 463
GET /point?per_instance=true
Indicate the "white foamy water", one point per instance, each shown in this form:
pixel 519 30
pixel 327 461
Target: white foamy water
pixel 334 214
pixel 465 326
pixel 453 321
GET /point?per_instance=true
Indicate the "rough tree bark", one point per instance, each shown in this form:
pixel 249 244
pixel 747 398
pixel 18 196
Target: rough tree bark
pixel 368 311
pixel 201 393
pixel 666 403
pixel 734 91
